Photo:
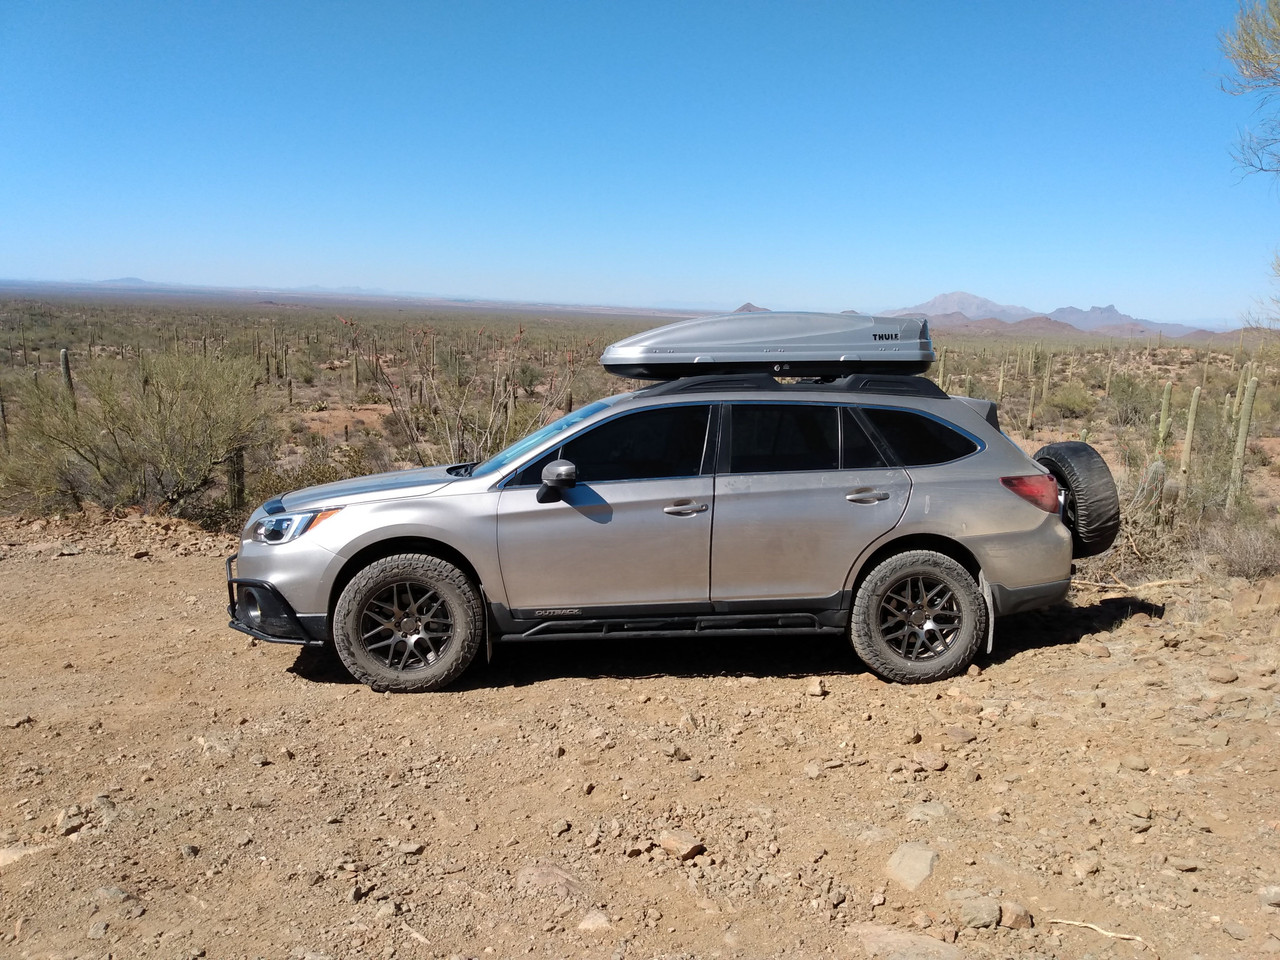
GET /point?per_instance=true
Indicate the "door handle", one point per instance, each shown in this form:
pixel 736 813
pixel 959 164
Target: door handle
pixel 866 495
pixel 684 508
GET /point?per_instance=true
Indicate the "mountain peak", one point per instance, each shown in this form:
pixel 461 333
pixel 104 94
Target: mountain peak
pixel 750 307
pixel 971 305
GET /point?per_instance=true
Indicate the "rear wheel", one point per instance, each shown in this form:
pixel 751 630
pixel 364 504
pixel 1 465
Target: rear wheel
pixel 918 616
pixel 408 623
pixel 1090 503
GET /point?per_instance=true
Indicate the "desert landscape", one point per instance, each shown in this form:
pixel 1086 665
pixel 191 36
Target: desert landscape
pixel 1102 784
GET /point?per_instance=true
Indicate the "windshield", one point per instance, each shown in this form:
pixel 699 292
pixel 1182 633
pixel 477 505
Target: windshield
pixel 500 461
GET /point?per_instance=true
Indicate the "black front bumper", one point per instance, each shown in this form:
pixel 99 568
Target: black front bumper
pixel 258 609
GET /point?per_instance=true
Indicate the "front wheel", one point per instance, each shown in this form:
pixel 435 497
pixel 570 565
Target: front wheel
pixel 918 616
pixel 408 623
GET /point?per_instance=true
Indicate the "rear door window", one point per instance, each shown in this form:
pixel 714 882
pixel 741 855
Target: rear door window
pixel 777 437
pixel 917 440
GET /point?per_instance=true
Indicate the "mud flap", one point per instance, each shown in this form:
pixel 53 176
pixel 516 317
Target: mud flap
pixel 991 609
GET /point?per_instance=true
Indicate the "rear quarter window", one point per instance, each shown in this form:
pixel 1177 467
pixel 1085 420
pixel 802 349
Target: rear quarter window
pixel 917 440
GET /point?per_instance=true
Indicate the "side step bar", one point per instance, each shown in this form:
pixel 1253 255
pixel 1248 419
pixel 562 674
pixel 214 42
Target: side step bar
pixel 722 625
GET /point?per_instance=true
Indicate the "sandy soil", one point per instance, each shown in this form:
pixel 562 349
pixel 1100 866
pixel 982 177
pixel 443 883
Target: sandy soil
pixel 170 789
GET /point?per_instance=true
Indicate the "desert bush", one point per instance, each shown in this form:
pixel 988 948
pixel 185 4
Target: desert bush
pixel 1248 549
pixel 1133 401
pixel 151 433
pixel 1072 401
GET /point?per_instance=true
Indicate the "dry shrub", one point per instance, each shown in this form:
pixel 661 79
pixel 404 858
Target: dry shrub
pixel 152 434
pixel 1249 550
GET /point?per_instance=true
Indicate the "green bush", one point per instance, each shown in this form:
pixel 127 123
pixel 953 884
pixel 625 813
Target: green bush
pixel 151 434
pixel 1072 401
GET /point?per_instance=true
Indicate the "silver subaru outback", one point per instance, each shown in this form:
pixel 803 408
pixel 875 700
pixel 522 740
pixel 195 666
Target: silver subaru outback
pixel 787 474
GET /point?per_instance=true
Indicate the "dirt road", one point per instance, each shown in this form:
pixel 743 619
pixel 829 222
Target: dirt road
pixel 170 789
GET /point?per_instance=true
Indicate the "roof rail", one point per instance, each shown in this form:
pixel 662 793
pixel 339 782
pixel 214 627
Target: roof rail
pixel 714 381
pixel 899 384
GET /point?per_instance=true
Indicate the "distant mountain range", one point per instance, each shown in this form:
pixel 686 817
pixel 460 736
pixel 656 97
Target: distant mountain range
pixel 957 312
pixel 968 313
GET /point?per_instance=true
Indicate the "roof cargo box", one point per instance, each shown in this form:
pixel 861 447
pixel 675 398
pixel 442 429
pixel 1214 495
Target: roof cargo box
pixel 783 344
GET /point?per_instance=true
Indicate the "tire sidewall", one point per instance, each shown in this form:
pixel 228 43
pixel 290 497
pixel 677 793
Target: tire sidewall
pixel 1079 468
pixel 460 598
pixel 867 637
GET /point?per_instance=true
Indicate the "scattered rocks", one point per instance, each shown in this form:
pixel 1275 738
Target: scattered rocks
pixel 551 879
pixel 911 865
pixel 596 921
pixel 1236 931
pixel 1223 674
pixel 680 844
pixel 889 943
pixel 978 912
pixel 1014 915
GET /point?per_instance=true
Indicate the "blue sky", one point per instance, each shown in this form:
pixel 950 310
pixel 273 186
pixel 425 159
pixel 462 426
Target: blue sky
pixel 801 155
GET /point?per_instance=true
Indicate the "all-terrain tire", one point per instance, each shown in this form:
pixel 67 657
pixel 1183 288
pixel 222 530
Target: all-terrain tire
pixel 1091 505
pixel 918 616
pixel 408 623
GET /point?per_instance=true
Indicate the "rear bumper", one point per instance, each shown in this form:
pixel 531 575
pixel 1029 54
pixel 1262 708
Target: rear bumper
pixel 1017 599
pixel 258 609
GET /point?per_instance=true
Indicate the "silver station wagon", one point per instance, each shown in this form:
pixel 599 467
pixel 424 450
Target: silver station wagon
pixel 788 474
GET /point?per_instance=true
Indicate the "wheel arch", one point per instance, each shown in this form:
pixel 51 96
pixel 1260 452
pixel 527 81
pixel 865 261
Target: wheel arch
pixel 916 541
pixel 391 547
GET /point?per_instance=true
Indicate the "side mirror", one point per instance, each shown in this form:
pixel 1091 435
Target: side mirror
pixel 557 477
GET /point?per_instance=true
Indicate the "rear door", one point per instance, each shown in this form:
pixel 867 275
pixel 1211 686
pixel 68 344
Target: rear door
pixel 800 492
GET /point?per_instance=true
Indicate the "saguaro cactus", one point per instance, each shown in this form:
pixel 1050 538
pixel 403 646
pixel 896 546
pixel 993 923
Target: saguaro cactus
pixel 1242 439
pixel 1185 466
pixel 1166 425
pixel 64 361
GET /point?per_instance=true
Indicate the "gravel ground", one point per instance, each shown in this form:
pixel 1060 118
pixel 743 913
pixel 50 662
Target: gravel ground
pixel 1103 785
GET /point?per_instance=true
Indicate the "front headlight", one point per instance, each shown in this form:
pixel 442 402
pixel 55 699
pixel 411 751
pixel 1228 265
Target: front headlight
pixel 284 527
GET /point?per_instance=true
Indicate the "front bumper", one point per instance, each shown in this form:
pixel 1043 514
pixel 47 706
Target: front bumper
pixel 258 609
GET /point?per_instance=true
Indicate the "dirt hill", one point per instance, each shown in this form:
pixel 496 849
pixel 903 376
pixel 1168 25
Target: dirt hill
pixel 172 789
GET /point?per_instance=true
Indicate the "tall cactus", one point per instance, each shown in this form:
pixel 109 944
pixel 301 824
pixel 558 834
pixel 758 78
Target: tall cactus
pixel 1166 425
pixel 1185 468
pixel 64 361
pixel 1242 439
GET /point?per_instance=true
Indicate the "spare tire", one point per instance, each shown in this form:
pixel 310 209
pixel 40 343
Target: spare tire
pixel 1090 503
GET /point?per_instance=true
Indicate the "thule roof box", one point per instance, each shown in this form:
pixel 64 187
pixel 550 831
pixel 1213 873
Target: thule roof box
pixel 780 344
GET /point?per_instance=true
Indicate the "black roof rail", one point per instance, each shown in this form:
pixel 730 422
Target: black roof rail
pixel 710 382
pixel 890 383
pixel 899 384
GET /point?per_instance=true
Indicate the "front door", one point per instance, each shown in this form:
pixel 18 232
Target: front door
pixel 634 532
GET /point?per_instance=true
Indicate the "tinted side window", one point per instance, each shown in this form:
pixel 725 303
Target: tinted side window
pixel 645 445
pixel 769 438
pixel 917 440
pixel 857 452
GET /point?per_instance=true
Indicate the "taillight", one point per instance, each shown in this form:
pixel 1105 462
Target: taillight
pixel 1042 490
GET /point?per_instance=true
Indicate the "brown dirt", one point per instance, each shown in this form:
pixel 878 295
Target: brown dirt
pixel 170 789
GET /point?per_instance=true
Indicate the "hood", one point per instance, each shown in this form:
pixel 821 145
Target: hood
pixel 376 486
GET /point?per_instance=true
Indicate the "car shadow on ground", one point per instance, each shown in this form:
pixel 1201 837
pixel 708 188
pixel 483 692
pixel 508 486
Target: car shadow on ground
pixel 320 665
pixel 789 657
pixel 1063 624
